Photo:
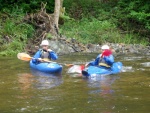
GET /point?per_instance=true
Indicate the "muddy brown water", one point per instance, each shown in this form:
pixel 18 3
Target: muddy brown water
pixel 27 91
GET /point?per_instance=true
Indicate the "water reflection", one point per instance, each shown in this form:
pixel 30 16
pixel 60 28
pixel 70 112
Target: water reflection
pixel 46 80
pixel 101 86
pixel 103 83
pixel 38 80
pixel 25 83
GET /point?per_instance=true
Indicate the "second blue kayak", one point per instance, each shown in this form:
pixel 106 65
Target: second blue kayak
pixel 100 70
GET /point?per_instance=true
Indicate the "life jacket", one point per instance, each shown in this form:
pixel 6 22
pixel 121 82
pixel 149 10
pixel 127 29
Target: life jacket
pixel 45 55
pixel 102 62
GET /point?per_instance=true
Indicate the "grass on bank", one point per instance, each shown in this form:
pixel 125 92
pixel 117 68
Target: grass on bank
pixel 13 34
pixel 96 31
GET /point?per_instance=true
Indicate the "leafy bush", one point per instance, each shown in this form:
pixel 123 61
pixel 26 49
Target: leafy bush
pixel 131 17
pixel 26 5
pixel 96 31
pixel 14 35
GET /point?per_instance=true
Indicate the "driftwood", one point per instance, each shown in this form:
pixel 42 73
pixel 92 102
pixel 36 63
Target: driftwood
pixel 44 24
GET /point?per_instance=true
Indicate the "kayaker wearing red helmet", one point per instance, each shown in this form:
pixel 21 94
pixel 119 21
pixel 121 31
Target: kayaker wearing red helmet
pixel 105 59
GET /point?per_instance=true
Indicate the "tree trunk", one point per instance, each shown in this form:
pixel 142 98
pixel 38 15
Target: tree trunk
pixel 57 12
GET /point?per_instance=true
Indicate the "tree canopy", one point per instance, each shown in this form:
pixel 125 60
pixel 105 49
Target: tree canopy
pixel 26 5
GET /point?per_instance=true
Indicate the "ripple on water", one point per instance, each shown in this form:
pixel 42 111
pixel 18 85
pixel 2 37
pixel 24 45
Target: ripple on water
pixel 132 58
pixel 146 64
pixel 141 69
pixel 127 69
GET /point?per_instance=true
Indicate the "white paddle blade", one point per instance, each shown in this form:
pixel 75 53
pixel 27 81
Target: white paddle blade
pixel 75 69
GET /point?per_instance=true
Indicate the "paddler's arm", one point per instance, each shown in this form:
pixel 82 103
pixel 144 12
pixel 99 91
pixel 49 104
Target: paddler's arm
pixel 109 59
pixel 36 57
pixel 95 62
pixel 52 55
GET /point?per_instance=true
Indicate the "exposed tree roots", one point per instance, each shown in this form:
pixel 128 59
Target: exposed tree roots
pixel 44 25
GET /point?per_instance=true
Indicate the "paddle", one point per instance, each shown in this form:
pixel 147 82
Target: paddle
pixel 76 69
pixel 80 68
pixel 27 57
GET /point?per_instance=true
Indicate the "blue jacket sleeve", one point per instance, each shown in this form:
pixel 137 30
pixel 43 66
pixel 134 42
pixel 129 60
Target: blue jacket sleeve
pixel 96 61
pixel 109 59
pixel 53 55
pixel 36 56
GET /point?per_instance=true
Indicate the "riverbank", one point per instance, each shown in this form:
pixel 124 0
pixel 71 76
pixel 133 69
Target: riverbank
pixel 63 46
pixel 120 48
pixel 87 34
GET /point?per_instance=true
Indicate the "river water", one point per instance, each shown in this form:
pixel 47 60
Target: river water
pixel 27 91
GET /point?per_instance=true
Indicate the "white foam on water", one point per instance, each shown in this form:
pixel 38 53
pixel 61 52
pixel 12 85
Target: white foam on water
pixel 127 69
pixel 142 69
pixel 146 64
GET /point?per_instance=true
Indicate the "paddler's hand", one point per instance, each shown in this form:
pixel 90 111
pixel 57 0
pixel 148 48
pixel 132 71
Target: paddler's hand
pixel 49 50
pixel 87 64
pixel 40 59
pixel 101 56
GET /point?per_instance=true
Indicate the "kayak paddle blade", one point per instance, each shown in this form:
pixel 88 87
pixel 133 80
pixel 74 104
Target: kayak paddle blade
pixel 24 56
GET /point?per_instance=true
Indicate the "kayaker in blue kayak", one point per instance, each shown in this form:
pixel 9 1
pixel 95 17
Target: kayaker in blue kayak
pixel 44 53
pixel 105 59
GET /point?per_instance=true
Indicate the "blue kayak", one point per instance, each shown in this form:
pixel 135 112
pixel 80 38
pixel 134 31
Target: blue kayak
pixel 101 70
pixel 46 67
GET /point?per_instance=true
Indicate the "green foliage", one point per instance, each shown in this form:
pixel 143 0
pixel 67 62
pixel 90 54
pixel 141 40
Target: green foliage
pixel 88 8
pixel 89 21
pixel 125 15
pixel 119 10
pixel 96 31
pixel 14 35
pixel 136 10
pixel 26 5
pixel 49 35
